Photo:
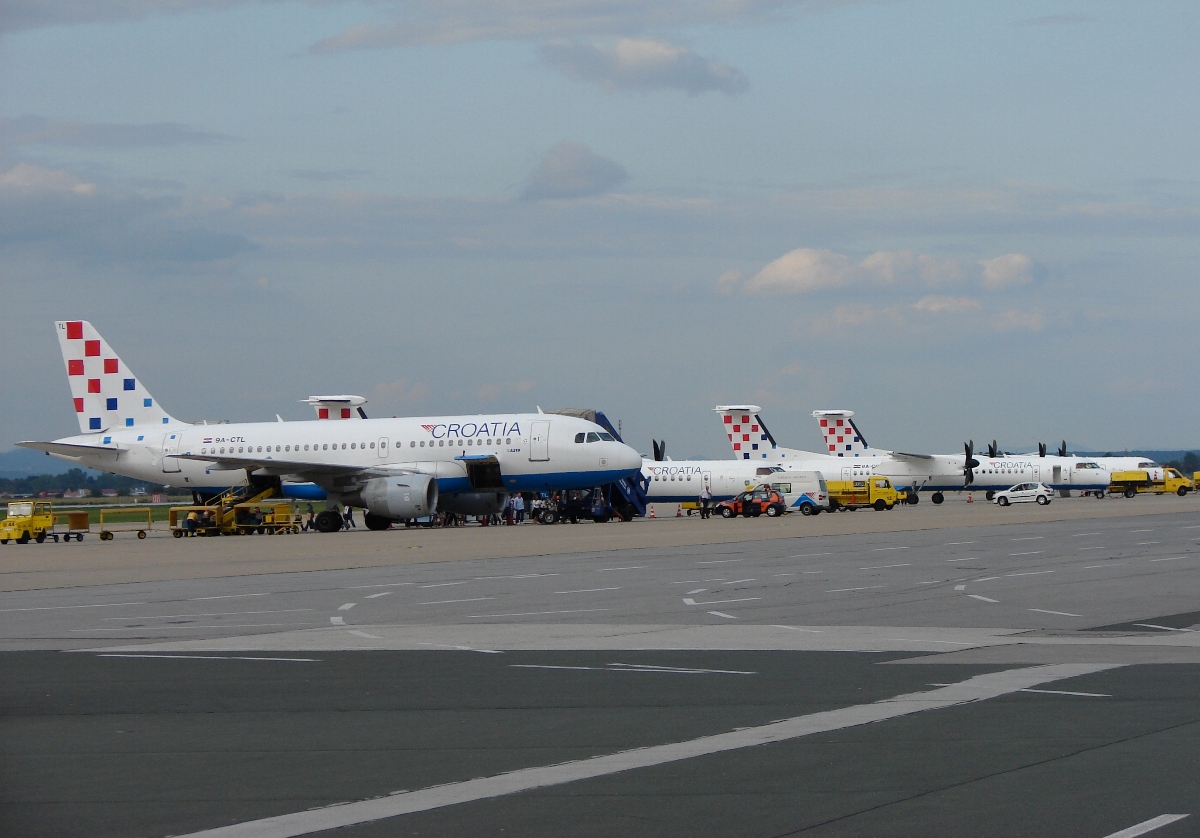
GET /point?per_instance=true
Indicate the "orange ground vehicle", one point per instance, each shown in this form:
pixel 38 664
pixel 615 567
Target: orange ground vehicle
pixel 761 500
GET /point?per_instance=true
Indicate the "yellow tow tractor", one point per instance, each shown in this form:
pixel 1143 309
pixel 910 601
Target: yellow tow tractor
pixel 876 492
pixel 27 520
pixel 1131 483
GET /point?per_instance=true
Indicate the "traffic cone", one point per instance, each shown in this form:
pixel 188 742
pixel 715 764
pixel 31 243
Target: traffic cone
pixel 679 511
pixel 652 515
pixel 970 499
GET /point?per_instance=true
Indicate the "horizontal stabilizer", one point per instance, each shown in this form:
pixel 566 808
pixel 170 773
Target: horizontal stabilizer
pixel 65 449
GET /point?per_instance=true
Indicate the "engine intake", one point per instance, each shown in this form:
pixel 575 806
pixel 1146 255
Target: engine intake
pixel 398 498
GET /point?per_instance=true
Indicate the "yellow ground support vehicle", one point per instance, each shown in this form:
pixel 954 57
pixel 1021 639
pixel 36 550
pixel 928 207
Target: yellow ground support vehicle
pixel 27 520
pixel 223 517
pixel 130 519
pixel 1130 483
pixel 71 525
pixel 876 492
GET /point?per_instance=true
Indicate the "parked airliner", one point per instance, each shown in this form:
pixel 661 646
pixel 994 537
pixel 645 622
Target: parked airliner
pixel 681 481
pixel 394 468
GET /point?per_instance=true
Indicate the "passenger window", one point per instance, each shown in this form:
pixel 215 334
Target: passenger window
pixel 469 442
pixel 593 436
pixel 508 441
pixel 372 445
pixel 325 447
pixel 579 437
pixel 412 444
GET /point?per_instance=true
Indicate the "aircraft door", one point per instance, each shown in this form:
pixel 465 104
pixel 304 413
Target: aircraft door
pixel 539 442
pixel 381 450
pixel 170 445
pixel 1058 475
pixel 1037 474
pixel 847 473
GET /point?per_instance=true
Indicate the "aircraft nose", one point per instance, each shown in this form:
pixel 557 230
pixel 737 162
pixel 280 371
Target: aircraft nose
pixel 629 459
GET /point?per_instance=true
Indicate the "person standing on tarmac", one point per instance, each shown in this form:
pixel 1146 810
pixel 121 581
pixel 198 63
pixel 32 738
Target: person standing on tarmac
pixel 705 501
pixel 348 517
pixel 519 506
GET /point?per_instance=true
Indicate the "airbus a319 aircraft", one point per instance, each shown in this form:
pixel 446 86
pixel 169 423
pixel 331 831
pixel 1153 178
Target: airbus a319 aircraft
pixel 394 468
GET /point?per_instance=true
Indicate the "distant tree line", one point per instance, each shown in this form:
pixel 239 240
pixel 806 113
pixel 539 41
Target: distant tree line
pixel 1187 464
pixel 74 479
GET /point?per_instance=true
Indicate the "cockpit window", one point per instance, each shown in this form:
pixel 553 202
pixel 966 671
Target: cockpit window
pixel 579 437
pixel 1148 465
pixel 606 436
pixel 593 436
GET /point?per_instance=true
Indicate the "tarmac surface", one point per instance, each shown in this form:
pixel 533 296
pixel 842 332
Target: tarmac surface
pixel 933 671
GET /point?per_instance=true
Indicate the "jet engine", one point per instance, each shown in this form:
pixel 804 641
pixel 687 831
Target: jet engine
pixel 398 498
pixel 474 503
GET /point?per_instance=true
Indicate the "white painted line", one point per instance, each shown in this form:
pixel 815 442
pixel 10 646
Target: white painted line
pixel 1067 692
pixel 965 559
pixel 208 614
pixel 722 614
pixel 713 580
pixel 960 587
pixel 1092 548
pixel 62 607
pixel 635 667
pixel 843 590
pixel 720 561
pixel 1146 826
pixel 1028 538
pixel 1078 534
pixel 588 590
pixel 534 613
pixel 519 576
pixel 1172 559
pixel 206 657
pixel 979 688
pixel 347 606
pixel 932 582
pixel 985 599
pixel 808 571
pixel 1164 628
pixel 808 555
pixel 949 642
pixel 446 584
pixel 697 591
pixel 688 601
pixel 1030 553
pixel 1059 613
pixel 1194 527
pixel 198 626
pixel 376 596
pixel 449 601
pixel 634 567
pixel 383 585
pixel 794 628
pixel 463 648
pixel 956 543
pixel 986 578
pixel 881 549
pixel 226 596
pixel 884 566
pixel 1144 543
pixel 364 634
pixel 1141 530
pixel 1030 573
pixel 784 574
pixel 338 621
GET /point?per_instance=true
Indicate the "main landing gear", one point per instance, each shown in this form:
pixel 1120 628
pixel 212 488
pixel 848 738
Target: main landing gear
pixel 937 497
pixel 328 521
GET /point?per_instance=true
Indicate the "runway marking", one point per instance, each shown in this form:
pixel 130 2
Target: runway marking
pixel 957 543
pixel 950 642
pixel 173 628
pixel 1146 826
pixel 794 628
pixel 1092 548
pixel 449 601
pixel 979 688
pixel 1030 553
pixel 1059 613
pixel 381 585
pixel 1172 559
pixel 1028 538
pixel 634 567
pixel 228 596
pixel 689 601
pixel 378 595
pixel 1194 527
pixel 1164 628
pixel 519 576
pixel 739 581
pixel 722 614
pixel 985 599
pixel 1144 543
pixel 210 614
pixel 446 584
pixel 697 591
pixel 358 633
pixel 347 606
pixel 1030 573
pixel 1078 534
pixel 807 571
pixel 61 607
pixel 965 559
pixel 205 657
pixel 720 561
pixel 338 621
pixel 463 648
pixel 1067 692
pixel 932 582
pixel 635 667
pixel 808 555
pixel 1094 566
pixel 881 549
pixel 843 590
pixel 1142 530
pixel 960 587
pixel 535 613
pixel 790 574
pixel 883 566
pixel 987 578
pixel 712 580
pixel 587 590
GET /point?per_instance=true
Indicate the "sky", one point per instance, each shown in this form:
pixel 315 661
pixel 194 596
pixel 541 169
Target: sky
pixel 958 219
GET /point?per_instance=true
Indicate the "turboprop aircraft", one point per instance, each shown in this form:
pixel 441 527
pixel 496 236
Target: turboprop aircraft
pixel 394 468
pixel 681 481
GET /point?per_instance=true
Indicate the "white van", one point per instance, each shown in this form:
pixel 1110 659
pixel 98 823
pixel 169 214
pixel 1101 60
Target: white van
pixel 803 491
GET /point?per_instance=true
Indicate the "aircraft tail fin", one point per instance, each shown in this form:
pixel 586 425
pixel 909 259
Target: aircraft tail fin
pixel 746 432
pixel 106 393
pixel 842 437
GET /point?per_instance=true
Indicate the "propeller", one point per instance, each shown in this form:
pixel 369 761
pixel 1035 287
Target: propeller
pixel 660 450
pixel 993 450
pixel 1041 449
pixel 1062 449
pixel 970 463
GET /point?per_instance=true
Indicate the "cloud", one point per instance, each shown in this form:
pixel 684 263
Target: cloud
pixel 399 392
pixel 493 390
pixel 1018 320
pixel 572 170
pixel 643 64
pixel 31 179
pixel 1007 271
pixel 38 130
pixel 938 304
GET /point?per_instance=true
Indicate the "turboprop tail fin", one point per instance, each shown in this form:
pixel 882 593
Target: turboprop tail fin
pixel 106 393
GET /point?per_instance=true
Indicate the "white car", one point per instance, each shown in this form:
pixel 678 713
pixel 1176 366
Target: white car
pixel 1025 493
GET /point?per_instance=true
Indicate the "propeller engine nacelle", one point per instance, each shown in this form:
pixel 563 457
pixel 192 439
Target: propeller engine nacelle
pixel 397 498
pixel 474 503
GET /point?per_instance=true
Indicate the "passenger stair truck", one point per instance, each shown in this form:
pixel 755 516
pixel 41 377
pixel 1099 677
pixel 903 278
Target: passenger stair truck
pixel 632 490
pixel 876 492
pixel 1130 483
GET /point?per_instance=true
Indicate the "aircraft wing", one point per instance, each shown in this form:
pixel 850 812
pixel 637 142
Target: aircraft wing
pixel 319 473
pixel 66 449
pixel 900 455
